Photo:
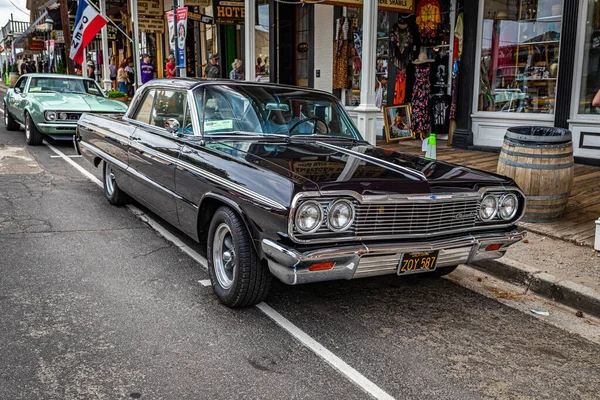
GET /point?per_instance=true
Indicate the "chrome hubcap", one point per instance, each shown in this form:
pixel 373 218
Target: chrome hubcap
pixel 28 128
pixel 109 181
pixel 224 259
pixel 5 116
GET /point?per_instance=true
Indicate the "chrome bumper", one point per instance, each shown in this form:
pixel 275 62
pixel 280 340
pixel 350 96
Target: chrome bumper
pixel 358 261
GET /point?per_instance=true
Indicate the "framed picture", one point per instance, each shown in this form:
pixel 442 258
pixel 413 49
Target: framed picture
pixel 398 122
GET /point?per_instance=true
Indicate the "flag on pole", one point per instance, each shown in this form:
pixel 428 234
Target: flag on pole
pixel 88 23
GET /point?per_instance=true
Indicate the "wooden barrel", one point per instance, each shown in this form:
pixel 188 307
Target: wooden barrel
pixel 540 160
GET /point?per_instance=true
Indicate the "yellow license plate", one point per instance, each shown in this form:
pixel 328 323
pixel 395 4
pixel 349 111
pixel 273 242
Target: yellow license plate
pixel 414 263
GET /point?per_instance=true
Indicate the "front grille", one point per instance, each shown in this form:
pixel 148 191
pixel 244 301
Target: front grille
pixel 404 219
pixel 415 218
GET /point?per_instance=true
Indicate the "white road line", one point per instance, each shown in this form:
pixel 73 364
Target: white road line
pixel 205 282
pixel 78 167
pixel 359 379
pixel 73 156
pixel 334 361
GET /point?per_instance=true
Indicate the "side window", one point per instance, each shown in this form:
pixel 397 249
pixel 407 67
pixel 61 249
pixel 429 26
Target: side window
pixel 143 113
pixel 21 84
pixel 169 104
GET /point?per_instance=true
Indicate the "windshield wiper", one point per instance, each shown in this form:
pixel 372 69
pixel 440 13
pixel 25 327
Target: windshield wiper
pixel 319 136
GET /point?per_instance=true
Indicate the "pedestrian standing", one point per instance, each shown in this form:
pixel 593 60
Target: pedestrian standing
pixel 130 78
pixel 122 77
pixel 147 69
pixel 24 66
pixel 91 70
pixel 113 71
pixel 170 67
pixel 212 69
pixel 236 73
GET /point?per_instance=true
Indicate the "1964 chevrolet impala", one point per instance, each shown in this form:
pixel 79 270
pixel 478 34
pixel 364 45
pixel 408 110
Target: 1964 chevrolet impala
pixel 278 182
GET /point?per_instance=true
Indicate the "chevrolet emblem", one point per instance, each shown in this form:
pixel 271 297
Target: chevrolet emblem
pixel 381 210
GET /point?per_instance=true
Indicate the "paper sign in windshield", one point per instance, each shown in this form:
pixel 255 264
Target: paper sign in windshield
pixel 210 126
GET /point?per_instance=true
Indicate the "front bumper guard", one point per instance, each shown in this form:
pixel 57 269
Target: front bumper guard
pixel 373 259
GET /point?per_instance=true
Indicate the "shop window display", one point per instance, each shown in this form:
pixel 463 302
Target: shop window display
pixel 519 56
pixel 414 61
pixel 590 77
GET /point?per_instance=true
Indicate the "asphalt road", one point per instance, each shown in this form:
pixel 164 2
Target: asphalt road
pixel 95 304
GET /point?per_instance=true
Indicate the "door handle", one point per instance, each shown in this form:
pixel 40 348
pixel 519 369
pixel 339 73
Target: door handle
pixel 136 139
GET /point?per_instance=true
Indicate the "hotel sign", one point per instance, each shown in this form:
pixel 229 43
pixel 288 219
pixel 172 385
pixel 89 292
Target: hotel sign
pixel 388 5
pixel 229 12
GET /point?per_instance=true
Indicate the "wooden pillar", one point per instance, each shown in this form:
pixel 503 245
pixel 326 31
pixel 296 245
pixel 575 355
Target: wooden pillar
pixel 367 111
pixel 566 64
pixel 64 21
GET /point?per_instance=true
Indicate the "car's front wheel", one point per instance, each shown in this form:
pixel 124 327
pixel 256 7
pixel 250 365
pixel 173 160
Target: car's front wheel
pixel 9 121
pixel 32 135
pixel 112 191
pixel 238 276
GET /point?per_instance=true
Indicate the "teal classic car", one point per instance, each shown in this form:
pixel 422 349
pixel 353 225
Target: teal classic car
pixel 51 104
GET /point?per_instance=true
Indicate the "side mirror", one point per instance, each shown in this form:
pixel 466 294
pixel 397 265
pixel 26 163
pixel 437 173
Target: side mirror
pixel 172 126
pixel 17 90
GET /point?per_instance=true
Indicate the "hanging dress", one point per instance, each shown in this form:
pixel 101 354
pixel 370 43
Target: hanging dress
pixel 340 53
pixel 421 122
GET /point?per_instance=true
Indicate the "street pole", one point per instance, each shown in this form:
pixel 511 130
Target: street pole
pixel 175 33
pixel 105 60
pixel 64 20
pixel 250 34
pixel 84 64
pixel 136 44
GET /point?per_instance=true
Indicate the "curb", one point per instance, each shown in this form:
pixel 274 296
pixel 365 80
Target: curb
pixel 563 291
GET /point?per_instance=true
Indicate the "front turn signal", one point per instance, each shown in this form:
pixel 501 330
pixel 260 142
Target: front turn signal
pixel 493 247
pixel 324 266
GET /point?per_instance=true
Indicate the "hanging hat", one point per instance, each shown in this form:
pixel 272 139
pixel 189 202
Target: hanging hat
pixel 423 59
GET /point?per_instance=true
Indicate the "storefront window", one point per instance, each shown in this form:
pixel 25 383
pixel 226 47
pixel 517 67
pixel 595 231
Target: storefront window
pixel 519 55
pixel 355 58
pixel 590 77
pixel 262 41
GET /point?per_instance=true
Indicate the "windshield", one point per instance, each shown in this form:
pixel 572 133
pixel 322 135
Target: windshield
pixel 257 110
pixel 64 85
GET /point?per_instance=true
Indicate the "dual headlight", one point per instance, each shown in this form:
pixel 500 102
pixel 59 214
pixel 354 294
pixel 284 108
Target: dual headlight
pixel 503 206
pixel 311 215
pixel 53 116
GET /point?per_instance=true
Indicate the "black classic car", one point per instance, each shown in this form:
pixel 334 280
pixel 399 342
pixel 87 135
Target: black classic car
pixel 277 181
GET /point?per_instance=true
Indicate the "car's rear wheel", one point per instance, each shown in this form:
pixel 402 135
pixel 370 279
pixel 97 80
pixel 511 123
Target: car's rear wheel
pixel 32 135
pixel 9 121
pixel 239 278
pixel 112 191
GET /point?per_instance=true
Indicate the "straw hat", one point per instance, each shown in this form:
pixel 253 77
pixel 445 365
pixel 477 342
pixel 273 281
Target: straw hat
pixel 423 59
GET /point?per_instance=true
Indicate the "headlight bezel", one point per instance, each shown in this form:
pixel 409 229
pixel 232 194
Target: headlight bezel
pixel 351 219
pixel 299 212
pixel 480 213
pixel 515 210
pixel 47 115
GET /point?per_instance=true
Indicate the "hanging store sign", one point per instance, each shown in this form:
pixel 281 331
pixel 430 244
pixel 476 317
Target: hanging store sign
pixel 151 25
pixel 302 47
pixel 152 8
pixel 197 3
pixel 229 12
pixel 59 36
pixel 387 5
pixel 179 29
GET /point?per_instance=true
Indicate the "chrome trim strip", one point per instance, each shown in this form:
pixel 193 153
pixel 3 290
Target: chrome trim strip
pixel 48 125
pixel 386 164
pixel 396 199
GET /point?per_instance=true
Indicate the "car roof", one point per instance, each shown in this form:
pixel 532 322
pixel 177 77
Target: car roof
pixel 192 83
pixel 60 76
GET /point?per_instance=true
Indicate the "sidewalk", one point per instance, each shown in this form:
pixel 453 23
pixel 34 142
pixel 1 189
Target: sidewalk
pixel 557 260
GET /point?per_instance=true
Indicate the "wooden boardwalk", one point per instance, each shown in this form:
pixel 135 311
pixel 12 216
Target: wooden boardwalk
pixel 578 223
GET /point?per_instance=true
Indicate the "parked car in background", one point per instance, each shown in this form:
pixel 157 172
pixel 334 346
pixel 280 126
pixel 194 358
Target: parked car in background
pixel 51 104
pixel 277 181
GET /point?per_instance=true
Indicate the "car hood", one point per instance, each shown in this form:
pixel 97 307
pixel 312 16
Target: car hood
pixel 75 102
pixel 361 168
